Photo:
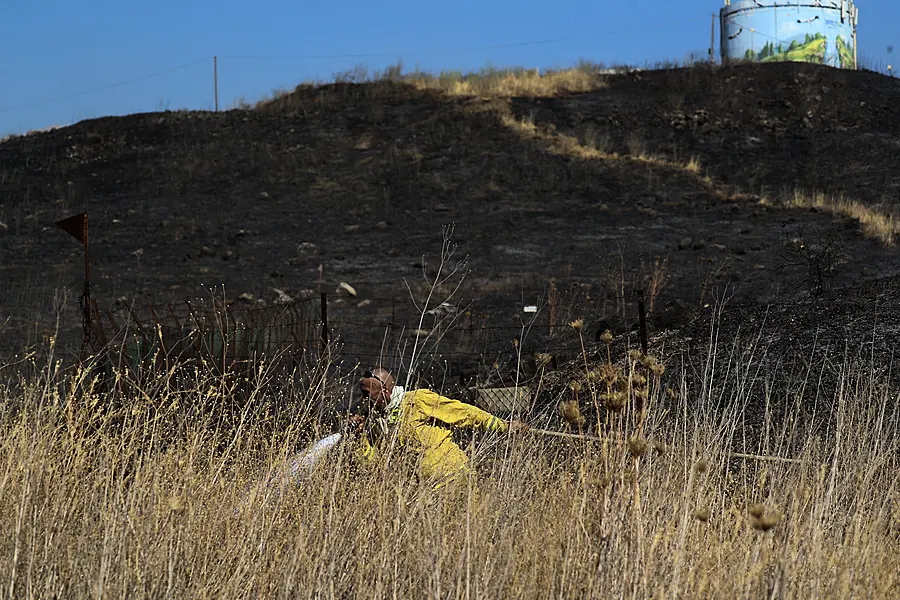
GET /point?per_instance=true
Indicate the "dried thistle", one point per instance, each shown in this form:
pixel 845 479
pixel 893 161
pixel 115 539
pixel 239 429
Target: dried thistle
pixel 575 385
pixel 593 376
pixel 641 394
pixel 635 355
pixel 176 503
pixel 638 380
pixel 765 521
pixel 637 446
pixel 701 514
pixel 571 413
pixel 577 324
pixel 543 359
pixel 701 467
pixel 653 364
pixel 609 374
pixel 615 401
pixel 606 337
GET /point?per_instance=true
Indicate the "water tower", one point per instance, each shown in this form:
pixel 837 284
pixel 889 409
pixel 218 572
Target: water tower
pixel 818 31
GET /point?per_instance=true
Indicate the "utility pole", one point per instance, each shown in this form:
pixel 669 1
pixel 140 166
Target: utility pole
pixel 216 80
pixel 712 42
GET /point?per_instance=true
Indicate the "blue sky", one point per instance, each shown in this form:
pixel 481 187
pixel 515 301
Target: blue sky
pixel 56 48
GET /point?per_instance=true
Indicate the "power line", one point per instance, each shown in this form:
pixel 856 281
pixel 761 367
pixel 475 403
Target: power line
pixel 105 87
pixel 380 54
pixel 541 42
pixel 309 56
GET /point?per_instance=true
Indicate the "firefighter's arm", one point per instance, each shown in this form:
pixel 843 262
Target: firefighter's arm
pixel 458 414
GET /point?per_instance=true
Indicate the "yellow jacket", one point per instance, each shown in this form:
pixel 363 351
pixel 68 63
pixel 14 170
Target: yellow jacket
pixel 423 425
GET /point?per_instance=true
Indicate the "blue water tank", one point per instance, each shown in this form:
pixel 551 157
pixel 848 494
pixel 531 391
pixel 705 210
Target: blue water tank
pixel 819 31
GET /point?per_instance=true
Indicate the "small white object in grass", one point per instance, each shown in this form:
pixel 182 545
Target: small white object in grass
pixel 530 309
pixel 281 297
pixel 444 308
pixel 347 288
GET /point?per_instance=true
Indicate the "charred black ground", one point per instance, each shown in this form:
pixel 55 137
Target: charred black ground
pixel 588 190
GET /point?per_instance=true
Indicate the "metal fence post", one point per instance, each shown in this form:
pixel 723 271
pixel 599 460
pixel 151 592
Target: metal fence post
pixel 642 316
pixel 324 310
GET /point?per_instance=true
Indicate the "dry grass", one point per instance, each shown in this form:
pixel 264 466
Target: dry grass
pixel 511 83
pixel 875 224
pixel 486 83
pixel 568 145
pixel 156 499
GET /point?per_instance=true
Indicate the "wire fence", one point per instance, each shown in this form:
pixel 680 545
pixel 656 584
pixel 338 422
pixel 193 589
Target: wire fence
pixel 488 356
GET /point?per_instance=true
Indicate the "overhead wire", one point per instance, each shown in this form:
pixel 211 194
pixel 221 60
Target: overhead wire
pixel 107 86
pixel 292 57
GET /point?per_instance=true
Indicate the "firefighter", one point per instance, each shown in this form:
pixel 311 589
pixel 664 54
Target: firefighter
pixel 423 421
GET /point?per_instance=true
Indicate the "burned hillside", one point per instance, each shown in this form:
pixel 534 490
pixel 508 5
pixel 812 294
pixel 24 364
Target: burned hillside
pixel 773 181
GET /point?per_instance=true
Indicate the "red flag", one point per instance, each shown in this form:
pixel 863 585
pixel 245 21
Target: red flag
pixel 76 226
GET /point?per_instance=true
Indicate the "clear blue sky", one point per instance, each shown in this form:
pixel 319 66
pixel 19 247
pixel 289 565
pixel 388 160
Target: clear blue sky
pixel 55 48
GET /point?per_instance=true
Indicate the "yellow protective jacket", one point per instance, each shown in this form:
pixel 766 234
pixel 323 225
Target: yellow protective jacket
pixel 424 422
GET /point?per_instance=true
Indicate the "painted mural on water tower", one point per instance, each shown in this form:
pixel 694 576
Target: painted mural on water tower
pixel 818 31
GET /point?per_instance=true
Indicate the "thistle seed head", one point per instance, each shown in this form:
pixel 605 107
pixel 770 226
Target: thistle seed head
pixel 609 374
pixel 176 503
pixel 637 446
pixel 615 401
pixel 543 359
pixel 593 376
pixel 571 412
pixel 577 324
pixel 606 337
pixel 635 355
pixel 765 522
pixel 757 510
pixel 575 385
pixel 638 380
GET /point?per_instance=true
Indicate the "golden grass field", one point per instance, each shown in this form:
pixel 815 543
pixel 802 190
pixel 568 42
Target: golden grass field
pixel 157 497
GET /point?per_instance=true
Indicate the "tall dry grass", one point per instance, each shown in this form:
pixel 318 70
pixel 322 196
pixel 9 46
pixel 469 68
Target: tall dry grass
pixel 157 497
